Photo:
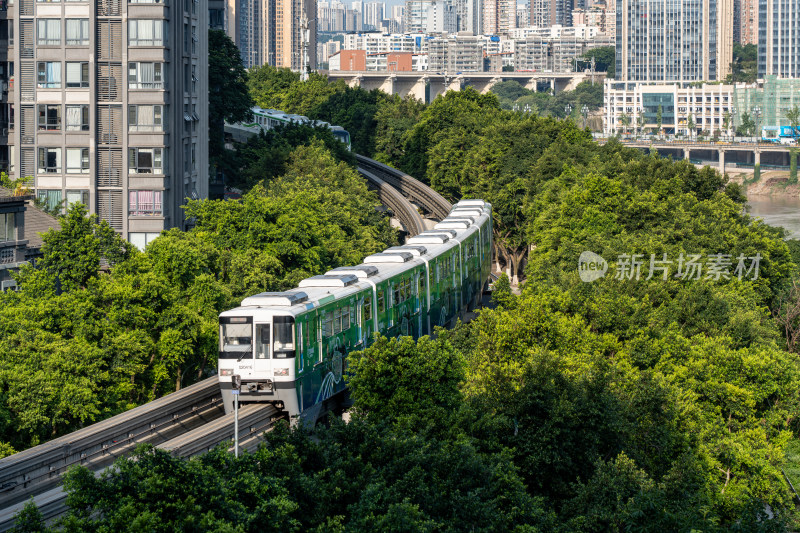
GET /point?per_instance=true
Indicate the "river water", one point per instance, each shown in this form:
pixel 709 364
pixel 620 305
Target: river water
pixel 777 211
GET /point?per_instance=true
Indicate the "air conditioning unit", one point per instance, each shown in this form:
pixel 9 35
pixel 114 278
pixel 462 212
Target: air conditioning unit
pixel 9 285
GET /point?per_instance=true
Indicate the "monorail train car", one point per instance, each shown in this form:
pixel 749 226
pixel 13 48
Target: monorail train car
pixel 267 119
pixel 289 348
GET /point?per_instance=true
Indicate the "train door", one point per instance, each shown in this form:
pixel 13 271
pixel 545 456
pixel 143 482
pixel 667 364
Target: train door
pixel 261 363
pixel 360 320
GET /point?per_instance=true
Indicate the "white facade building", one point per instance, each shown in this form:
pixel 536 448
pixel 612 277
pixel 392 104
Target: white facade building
pixel 684 109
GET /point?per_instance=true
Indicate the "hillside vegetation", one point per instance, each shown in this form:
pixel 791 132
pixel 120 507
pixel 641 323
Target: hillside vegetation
pixel 631 403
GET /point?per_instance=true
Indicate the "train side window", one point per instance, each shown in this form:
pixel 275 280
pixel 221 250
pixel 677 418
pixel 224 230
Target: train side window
pixel 381 302
pixel 421 289
pixel 368 308
pixel 337 321
pixel 346 318
pixel 395 294
pixel 327 325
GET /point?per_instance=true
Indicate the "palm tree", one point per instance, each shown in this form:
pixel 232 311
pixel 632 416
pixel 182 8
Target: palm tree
pixel 625 120
pixel 793 116
pixel 690 124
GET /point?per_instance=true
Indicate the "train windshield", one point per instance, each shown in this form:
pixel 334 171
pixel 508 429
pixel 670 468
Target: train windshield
pixel 283 345
pixel 236 340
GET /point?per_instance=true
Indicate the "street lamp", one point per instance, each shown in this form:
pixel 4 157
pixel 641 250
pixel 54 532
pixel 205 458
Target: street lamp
pixel 757 115
pixel 567 110
pixel 733 122
pixel 585 113
pixel 236 383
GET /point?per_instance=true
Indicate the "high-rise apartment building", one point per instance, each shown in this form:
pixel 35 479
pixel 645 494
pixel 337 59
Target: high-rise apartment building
pixel 779 38
pixel 674 40
pixel 745 21
pixel 499 16
pixel 468 15
pixel 374 14
pixel 105 104
pixel 546 13
pixel 441 17
pixel 274 32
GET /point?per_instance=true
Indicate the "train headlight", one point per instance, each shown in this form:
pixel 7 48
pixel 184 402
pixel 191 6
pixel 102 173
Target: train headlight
pixel 225 371
pixel 281 371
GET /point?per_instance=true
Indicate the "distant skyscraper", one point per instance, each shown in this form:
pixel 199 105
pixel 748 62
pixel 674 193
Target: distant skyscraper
pixel 779 38
pixel 270 31
pixel 658 40
pixel 745 21
pixel 523 16
pixel 374 13
pixel 499 16
pixel 546 13
pixel 441 17
pixel 468 15
pixel 397 16
pixel 415 16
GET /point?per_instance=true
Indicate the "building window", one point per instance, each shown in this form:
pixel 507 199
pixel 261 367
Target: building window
pixel 51 199
pixel 140 240
pixel 145 118
pixel 194 157
pixel 77 196
pixel 49 74
pixel 145 203
pixel 48 32
pixel 78 32
pixel 145 161
pixel 147 33
pixel 49 160
pixel 49 117
pixel 77 160
pixel 147 2
pixel 194 78
pixel 77 75
pixel 77 118
pixel 7 227
pixel 146 76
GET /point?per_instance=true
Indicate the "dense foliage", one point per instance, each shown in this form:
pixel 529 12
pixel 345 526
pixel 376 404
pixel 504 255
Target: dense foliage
pixel 228 98
pixel 625 404
pixel 77 346
pixel 744 68
pixel 512 95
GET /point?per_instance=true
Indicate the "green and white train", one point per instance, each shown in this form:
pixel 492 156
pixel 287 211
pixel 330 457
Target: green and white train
pixel 289 348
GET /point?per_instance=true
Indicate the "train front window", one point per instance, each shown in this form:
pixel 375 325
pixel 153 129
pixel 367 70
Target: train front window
pixel 236 340
pixel 283 345
pixel 262 341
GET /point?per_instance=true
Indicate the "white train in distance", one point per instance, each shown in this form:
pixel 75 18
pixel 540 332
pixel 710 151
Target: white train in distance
pixel 267 119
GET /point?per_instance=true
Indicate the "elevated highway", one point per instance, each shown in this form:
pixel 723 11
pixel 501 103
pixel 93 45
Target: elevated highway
pixel 726 155
pixel 426 86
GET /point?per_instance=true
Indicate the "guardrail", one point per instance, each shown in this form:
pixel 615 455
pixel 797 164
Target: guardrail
pixel 39 469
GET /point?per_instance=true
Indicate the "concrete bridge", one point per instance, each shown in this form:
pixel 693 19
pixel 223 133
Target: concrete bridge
pixel 724 154
pixel 426 86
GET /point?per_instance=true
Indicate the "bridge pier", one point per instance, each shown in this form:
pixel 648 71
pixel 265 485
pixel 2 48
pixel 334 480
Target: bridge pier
pixel 388 85
pixel 722 162
pixel 686 153
pixel 757 158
